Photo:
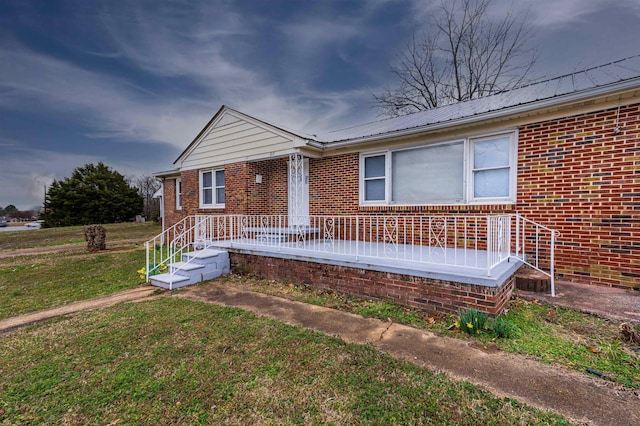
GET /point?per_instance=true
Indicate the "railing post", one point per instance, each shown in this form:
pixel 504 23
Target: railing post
pixel 146 269
pixel 551 266
pixel 357 237
pixel 489 245
pixel 517 217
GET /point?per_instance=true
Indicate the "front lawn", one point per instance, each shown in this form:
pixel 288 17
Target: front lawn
pixel 14 240
pixel 174 361
pixel 574 339
pixel 33 283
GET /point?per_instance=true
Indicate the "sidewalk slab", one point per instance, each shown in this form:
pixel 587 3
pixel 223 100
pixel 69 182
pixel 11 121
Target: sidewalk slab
pixel 574 395
pixel 617 304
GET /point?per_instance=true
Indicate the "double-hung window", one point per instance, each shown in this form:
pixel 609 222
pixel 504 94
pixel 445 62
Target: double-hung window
pixel 492 167
pixel 178 194
pixel 464 171
pixel 212 188
pixel 375 177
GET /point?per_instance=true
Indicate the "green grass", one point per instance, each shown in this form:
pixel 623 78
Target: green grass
pixel 554 335
pixel 577 340
pixel 32 283
pixel 174 361
pixel 73 234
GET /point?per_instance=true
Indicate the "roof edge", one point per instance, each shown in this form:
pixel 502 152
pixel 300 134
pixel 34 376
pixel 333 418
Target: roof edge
pixel 489 115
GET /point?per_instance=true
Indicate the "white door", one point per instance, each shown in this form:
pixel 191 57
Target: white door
pixel 298 191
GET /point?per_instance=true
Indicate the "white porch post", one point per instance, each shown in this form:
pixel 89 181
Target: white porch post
pixel 296 189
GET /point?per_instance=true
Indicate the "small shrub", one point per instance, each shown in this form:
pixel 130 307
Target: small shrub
pixel 504 328
pixel 153 270
pixel 472 321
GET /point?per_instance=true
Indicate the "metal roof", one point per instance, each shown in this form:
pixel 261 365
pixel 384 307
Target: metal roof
pixel 557 88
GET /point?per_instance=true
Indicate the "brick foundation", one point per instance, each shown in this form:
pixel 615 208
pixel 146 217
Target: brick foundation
pixel 426 294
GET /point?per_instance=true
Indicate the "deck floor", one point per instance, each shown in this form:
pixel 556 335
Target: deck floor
pixel 451 264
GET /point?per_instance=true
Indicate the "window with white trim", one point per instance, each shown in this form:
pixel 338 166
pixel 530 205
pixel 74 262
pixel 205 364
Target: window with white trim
pixel 375 177
pixel 467 171
pixel 491 167
pixel 429 174
pixel 178 194
pixel 212 188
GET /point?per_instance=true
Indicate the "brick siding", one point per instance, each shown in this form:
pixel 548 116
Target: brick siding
pixel 576 175
pixel 430 295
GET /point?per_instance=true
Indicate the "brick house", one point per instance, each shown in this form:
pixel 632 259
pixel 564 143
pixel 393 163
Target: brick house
pixel 563 153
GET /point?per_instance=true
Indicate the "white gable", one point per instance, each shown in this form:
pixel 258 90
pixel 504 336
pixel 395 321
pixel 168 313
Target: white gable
pixel 227 119
pixel 232 138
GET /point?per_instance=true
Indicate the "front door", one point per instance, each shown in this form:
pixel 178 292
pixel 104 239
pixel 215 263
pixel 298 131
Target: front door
pixel 298 190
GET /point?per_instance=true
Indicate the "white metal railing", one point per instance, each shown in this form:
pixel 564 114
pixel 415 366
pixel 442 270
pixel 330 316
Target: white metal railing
pixel 480 242
pixel 535 246
pixel 443 240
pixel 168 247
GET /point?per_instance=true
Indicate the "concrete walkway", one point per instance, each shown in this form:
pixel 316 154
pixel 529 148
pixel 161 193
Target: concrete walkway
pixel 609 302
pixel 574 395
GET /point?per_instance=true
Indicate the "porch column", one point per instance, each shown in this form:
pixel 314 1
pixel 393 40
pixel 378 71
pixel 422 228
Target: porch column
pixel 296 188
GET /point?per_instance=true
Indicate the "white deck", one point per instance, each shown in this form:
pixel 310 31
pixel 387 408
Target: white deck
pixel 451 264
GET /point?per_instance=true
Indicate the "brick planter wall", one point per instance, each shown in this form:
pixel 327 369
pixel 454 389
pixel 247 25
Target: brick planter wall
pixel 422 293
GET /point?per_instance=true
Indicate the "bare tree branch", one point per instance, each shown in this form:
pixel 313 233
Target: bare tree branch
pixel 147 186
pixel 465 53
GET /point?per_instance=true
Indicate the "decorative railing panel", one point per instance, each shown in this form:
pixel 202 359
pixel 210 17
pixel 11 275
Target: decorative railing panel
pixel 480 242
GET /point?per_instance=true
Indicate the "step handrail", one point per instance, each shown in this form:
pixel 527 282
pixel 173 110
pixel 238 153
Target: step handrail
pixel 521 253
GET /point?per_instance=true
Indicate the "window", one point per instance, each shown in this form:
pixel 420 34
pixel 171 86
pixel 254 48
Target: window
pixel 178 194
pixel 428 174
pixel 491 167
pixel 212 188
pixel 467 171
pixel 375 179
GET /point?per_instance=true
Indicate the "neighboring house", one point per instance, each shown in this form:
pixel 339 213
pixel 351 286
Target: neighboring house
pixel 564 153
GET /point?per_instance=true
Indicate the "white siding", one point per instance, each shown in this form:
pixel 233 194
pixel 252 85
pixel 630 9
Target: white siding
pixel 235 141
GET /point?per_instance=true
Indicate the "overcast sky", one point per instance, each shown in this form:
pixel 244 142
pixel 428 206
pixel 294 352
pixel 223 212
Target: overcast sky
pixel 131 83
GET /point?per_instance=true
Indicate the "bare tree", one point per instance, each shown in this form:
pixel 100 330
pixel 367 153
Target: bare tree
pixel 464 54
pixel 147 186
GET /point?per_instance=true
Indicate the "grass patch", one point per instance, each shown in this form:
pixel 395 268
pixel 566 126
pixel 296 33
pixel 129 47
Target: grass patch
pixel 171 361
pixel 71 234
pixel 574 339
pixel 554 335
pixel 32 283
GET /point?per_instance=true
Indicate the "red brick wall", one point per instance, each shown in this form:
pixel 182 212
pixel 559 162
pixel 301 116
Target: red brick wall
pixel 171 215
pixel 190 192
pixel 576 175
pixel 270 196
pixel 422 293
pixel 333 185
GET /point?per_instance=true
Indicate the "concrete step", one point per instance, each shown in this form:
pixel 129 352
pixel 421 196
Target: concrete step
pixel 192 270
pixel 170 280
pixel 196 266
pixel 202 255
pixel 272 238
pixel 184 266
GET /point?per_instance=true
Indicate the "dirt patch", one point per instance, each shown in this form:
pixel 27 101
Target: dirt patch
pixel 121 245
pixel 20 321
